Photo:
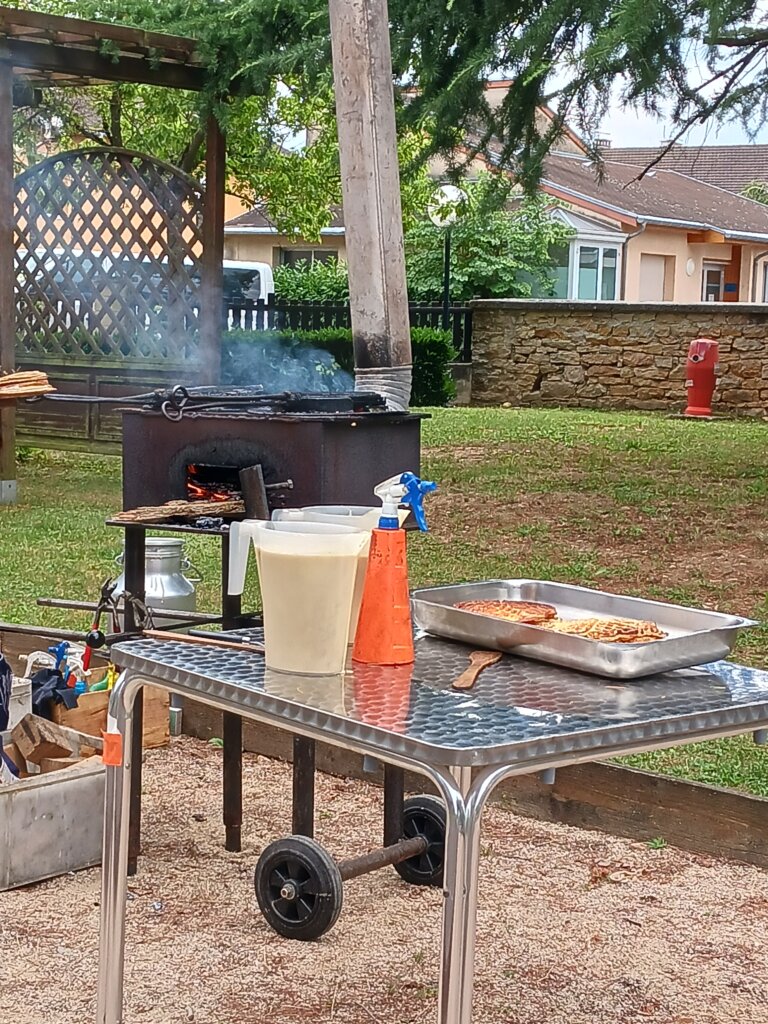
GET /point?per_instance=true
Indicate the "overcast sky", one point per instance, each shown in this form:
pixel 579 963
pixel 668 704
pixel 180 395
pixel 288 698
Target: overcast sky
pixel 628 128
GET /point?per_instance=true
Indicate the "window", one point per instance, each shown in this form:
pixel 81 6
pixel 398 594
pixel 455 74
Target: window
pixel 596 272
pixel 561 266
pixel 712 280
pixel 290 257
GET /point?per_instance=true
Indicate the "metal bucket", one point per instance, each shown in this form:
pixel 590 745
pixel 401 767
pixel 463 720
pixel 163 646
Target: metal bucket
pixel 165 584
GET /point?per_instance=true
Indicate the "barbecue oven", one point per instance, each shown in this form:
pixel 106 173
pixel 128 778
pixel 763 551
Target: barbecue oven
pixel 312 449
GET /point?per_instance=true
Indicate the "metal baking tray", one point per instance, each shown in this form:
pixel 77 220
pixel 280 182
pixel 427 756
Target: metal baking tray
pixel 694 636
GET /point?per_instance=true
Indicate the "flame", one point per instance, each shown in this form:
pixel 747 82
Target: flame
pixel 203 492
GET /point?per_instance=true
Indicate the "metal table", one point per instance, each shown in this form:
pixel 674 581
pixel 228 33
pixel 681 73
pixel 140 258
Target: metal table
pixel 521 717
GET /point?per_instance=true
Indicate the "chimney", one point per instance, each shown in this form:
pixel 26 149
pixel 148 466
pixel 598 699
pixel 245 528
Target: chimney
pixel 603 142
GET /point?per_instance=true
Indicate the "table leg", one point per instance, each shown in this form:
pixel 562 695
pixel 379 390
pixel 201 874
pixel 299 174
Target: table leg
pixel 394 794
pixel 232 738
pixel 232 725
pixel 114 874
pixel 462 853
pixel 136 739
pixel 303 823
pixel 135 584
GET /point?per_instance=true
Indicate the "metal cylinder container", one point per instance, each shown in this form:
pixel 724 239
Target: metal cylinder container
pixel 165 584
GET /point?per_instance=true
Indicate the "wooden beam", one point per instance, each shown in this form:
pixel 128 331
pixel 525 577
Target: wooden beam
pixel 7 273
pixel 705 238
pixel 212 305
pixel 370 180
pixel 90 64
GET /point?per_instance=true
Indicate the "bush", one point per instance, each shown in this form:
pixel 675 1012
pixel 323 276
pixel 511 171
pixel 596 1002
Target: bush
pixel 312 282
pixel 323 361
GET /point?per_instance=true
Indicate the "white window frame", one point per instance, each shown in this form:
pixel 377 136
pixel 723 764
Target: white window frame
pixel 575 256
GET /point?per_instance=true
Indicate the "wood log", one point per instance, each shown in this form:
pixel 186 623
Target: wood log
pixel 37 739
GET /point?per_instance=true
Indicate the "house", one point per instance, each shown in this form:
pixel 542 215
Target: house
pixel 667 236
pixel 252 236
pixel 728 167
pixel 663 237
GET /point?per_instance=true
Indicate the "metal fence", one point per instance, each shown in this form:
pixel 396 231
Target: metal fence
pixel 289 315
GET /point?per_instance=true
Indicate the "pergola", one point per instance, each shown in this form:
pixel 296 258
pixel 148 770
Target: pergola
pixel 41 50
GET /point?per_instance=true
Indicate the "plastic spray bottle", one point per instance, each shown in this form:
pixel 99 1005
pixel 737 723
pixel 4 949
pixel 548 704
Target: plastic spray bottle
pixel 384 631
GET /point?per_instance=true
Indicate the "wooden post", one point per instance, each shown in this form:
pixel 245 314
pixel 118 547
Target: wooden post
pixel 212 306
pixel 7 299
pixel 370 179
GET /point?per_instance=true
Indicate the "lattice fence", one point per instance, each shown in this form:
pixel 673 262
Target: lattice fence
pixel 108 260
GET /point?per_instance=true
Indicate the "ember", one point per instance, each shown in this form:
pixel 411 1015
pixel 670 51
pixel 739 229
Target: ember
pixel 210 483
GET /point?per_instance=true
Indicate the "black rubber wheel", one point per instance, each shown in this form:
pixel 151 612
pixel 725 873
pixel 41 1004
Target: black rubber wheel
pixel 299 888
pixel 424 816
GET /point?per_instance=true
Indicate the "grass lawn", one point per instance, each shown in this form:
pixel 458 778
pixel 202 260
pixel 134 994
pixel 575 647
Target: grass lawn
pixel 634 503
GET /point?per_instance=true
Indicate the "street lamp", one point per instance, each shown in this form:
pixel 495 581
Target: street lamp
pixel 443 210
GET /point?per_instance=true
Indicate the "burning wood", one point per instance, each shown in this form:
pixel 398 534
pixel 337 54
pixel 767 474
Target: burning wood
pixel 24 384
pixel 180 509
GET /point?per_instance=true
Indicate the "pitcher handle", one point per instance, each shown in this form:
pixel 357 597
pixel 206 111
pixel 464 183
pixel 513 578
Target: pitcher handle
pixel 240 535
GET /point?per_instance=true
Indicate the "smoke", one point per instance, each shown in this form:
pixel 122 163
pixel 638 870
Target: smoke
pixel 280 362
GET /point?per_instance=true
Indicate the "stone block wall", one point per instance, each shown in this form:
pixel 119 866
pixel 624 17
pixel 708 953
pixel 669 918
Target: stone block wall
pixel 613 355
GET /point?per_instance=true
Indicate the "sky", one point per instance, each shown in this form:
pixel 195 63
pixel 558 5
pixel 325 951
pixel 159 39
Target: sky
pixel 630 128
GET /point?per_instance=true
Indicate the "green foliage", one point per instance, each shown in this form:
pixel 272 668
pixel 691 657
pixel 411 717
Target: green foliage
pixel 495 252
pixel 572 56
pixel 312 282
pixel 757 190
pixel 311 361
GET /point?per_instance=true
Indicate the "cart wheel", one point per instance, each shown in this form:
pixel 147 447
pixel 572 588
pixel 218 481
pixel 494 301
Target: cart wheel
pixel 424 816
pixel 298 887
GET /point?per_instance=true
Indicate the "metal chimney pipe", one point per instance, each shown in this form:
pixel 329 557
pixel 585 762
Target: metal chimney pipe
pixel 370 180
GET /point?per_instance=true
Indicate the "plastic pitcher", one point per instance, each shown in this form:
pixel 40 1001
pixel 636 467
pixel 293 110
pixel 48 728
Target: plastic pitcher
pixel 307 573
pixel 362 517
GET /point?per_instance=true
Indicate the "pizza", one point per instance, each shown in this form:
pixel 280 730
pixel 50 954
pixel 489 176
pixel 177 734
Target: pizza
pixel 532 613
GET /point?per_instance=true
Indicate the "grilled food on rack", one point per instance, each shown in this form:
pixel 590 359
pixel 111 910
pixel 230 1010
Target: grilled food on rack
pixel 531 613
pixel 608 631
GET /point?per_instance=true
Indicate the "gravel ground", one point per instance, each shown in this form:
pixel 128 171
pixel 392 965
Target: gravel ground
pixel 574 927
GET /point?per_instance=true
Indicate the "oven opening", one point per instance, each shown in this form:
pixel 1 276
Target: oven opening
pixel 212 483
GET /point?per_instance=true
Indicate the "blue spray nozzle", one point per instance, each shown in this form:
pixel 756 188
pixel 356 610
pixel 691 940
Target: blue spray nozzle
pixel 60 652
pixel 415 489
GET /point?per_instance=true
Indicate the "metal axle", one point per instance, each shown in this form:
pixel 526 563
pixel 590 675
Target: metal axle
pixel 382 857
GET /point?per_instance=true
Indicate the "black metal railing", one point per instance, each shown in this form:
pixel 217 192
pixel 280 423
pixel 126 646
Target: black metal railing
pixel 289 315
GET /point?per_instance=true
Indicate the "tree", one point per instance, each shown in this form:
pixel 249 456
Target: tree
pixel 496 251
pixel 757 190
pixel 706 59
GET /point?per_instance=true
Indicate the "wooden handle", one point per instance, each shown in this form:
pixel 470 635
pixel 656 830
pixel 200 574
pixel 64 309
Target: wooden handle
pixel 478 660
pixel 185 638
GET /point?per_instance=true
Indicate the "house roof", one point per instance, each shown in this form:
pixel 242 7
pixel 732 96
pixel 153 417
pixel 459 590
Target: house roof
pixel 666 198
pixel 729 167
pixel 256 221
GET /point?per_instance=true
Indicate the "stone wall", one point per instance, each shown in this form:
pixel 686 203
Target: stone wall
pixel 613 355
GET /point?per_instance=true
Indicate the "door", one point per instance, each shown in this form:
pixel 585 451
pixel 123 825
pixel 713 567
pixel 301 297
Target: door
pixel 652 276
pixel 712 282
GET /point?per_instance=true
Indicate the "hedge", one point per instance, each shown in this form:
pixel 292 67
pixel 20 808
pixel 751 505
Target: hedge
pixel 322 361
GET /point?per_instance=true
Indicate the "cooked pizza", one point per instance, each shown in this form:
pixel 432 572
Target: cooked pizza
pixel 532 613
pixel 608 631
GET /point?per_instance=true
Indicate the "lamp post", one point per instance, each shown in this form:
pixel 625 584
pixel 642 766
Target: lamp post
pixel 443 210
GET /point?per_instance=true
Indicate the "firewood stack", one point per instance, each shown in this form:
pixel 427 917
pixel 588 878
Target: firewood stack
pixel 24 384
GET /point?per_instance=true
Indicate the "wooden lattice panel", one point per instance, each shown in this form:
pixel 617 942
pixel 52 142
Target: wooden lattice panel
pixel 108 259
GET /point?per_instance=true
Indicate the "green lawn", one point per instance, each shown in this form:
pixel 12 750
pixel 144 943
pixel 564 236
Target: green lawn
pixel 634 503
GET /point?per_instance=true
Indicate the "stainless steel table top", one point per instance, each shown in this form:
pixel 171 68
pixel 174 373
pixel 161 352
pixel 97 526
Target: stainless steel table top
pixel 519 711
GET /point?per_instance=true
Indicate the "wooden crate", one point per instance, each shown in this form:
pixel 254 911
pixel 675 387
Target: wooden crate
pixel 90 715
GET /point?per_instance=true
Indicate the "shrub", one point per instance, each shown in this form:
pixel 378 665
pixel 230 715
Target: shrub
pixel 312 282
pixel 323 360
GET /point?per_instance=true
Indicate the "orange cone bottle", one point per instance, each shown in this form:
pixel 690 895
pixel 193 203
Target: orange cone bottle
pixel 384 631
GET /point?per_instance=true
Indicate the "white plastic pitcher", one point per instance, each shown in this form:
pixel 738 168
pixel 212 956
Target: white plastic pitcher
pixel 307 573
pixel 362 517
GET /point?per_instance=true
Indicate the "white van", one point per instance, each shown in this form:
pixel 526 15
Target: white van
pixel 248 280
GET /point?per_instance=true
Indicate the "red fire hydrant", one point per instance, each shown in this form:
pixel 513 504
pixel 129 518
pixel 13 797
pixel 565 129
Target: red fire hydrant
pixel 701 376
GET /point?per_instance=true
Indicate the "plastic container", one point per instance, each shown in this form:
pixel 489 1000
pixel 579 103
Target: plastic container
pixel 307 573
pixel 362 517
